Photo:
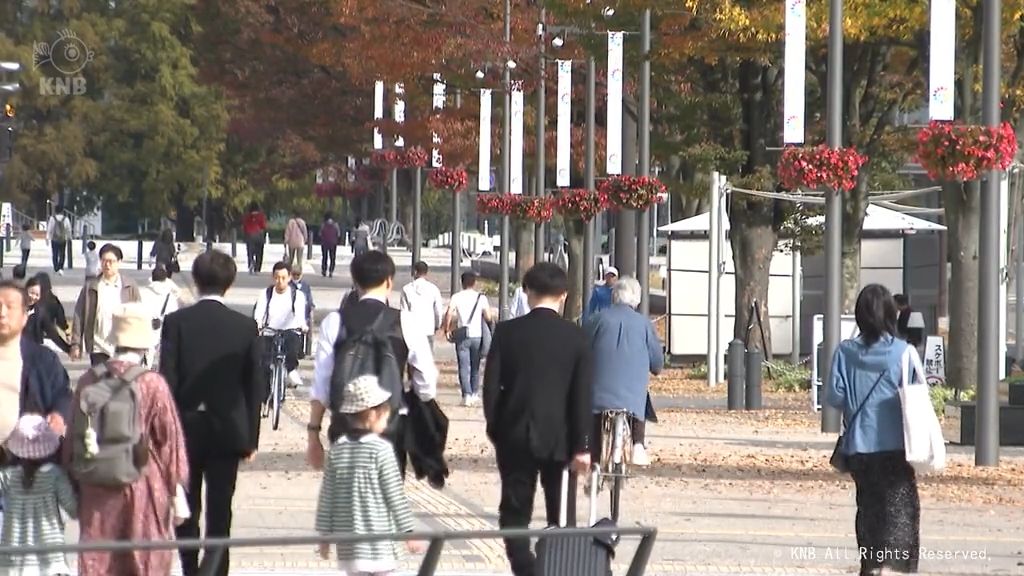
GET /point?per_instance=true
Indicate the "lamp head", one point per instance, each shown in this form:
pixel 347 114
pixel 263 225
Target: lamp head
pixel 558 41
pixel 479 74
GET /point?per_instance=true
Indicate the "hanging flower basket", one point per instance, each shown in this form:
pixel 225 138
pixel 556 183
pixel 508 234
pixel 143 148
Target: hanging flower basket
pixel 581 204
pixel 399 158
pixel 959 152
pixel 354 191
pixel 453 180
pixel 370 174
pixel 820 168
pixel 533 209
pixel 497 204
pixel 632 192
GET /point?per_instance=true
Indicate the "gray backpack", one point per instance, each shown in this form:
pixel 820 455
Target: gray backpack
pixel 109 446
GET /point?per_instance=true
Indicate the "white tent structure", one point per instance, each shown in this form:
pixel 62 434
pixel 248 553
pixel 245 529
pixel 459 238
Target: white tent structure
pixel 694 296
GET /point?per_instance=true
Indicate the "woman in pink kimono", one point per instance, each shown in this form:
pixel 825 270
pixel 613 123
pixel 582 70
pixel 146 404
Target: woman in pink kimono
pixel 144 509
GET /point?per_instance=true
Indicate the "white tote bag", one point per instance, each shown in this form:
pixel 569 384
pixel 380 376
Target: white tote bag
pixel 922 433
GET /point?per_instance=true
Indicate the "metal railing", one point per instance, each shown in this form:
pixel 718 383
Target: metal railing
pixel 215 547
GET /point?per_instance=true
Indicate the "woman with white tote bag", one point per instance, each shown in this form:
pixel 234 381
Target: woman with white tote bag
pixel 865 383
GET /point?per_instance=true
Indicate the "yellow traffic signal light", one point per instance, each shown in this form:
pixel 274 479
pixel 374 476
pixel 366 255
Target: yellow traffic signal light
pixel 9 110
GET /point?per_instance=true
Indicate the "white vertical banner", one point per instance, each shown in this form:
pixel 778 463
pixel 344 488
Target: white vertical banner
pixel 515 179
pixel 378 113
pixel 399 112
pixel 942 60
pixel 484 161
pixel 613 130
pixel 351 168
pixel 563 138
pixel 795 78
pixel 436 161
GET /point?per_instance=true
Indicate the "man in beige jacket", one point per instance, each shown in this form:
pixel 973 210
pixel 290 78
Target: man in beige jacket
pixel 100 299
pixel 295 237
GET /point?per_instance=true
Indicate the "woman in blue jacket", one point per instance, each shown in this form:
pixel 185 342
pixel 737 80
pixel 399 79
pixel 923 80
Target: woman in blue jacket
pixel 864 383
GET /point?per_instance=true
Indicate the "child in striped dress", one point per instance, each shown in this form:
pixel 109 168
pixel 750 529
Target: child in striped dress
pixel 35 490
pixel 362 489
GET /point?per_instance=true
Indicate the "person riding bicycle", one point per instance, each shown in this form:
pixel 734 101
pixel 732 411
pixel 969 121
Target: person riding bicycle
pixel 282 308
pixel 626 351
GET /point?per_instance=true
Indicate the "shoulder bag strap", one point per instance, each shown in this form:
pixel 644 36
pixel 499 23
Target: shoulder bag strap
pixel 473 311
pixel 853 417
pixel 163 310
pixel 266 311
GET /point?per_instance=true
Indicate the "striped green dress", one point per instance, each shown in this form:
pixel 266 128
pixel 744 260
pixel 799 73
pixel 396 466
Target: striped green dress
pixel 362 494
pixel 32 517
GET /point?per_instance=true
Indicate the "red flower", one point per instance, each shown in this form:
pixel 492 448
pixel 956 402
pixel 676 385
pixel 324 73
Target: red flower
pixel 820 167
pixel 400 158
pixel 581 204
pixel 516 206
pixel 633 192
pixel 951 151
pixel 452 179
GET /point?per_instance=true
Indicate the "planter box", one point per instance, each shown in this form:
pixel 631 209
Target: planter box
pixel 1011 424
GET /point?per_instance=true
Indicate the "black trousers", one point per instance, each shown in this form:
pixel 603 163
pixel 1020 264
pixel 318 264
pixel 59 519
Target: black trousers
pixel 519 471
pixel 59 251
pixel 328 259
pixel 254 254
pixel 24 259
pixel 219 473
pixel 888 512
pixel 637 430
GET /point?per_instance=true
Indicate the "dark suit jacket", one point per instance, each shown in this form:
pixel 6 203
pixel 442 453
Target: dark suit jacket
pixel 537 386
pixel 210 356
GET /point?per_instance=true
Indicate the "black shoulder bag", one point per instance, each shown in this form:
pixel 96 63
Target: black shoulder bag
pixel 840 461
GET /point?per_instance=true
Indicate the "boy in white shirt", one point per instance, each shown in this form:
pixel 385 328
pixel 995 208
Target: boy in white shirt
pixel 92 261
pixel 464 326
pixel 282 307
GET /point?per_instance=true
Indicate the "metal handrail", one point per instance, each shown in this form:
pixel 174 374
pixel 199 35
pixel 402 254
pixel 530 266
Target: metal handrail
pixel 431 559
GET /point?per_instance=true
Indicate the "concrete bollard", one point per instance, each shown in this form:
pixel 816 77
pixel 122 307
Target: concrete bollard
pixel 753 395
pixel 735 375
pixel 138 264
pixel 70 258
pixel 234 243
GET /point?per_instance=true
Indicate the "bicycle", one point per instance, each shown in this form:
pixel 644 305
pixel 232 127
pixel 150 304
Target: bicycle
pixel 616 454
pixel 278 374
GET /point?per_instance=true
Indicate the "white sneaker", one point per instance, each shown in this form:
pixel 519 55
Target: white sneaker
pixel 294 379
pixel 466 400
pixel 640 456
pixel 60 272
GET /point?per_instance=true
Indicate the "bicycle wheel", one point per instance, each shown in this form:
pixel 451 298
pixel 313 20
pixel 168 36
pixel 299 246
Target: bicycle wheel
pixel 618 465
pixel 275 396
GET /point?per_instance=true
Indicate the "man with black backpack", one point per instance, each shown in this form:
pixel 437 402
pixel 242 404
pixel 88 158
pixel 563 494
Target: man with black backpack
pixel 282 308
pixel 364 337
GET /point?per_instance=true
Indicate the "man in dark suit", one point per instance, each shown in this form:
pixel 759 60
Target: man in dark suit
pixel 537 402
pixel 210 356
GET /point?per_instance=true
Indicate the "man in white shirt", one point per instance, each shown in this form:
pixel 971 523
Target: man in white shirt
pixel 373 273
pixel 422 298
pixel 463 323
pixel 520 304
pixel 58 233
pixel 282 308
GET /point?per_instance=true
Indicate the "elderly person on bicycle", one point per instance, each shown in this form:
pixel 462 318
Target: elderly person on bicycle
pixel 626 351
pixel 282 308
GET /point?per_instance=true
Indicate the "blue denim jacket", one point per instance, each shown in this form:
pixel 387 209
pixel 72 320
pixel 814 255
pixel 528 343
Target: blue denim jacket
pixel 626 351
pixel 856 367
pixel 600 299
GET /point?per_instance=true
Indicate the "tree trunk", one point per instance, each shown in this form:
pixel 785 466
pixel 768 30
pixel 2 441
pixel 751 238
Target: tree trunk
pixel 574 301
pixel 963 217
pixel 854 209
pixel 753 238
pixel 523 233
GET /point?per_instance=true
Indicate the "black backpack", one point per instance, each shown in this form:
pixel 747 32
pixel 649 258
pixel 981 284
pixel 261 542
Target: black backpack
pixel 366 352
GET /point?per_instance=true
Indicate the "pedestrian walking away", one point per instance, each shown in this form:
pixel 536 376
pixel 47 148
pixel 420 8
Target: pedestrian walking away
pixel 254 228
pixel 537 405
pixel 372 321
pixel 330 236
pixel 92 261
pixel 468 318
pixel 96 305
pixel 25 239
pixel 361 238
pixel 165 253
pixel 58 233
pixel 122 498
pixel 296 236
pixel 362 490
pixel 422 298
pixel 213 363
pixel 864 383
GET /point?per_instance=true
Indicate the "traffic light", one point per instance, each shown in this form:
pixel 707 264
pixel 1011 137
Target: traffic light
pixel 8 110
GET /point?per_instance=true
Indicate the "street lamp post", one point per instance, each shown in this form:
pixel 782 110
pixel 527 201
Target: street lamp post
pixel 589 183
pixel 538 238
pixel 830 417
pixel 643 241
pixel 986 431
pixel 506 156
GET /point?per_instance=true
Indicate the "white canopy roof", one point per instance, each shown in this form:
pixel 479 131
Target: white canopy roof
pixel 878 219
